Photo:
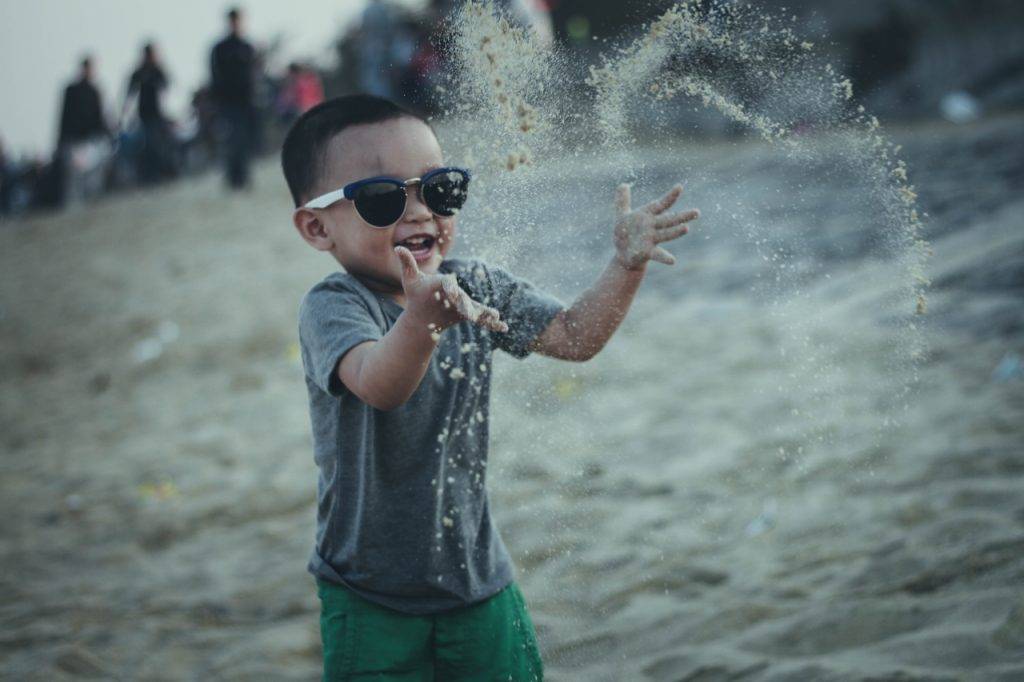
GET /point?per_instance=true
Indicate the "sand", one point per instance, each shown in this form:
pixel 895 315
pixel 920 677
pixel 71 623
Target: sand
pixel 733 489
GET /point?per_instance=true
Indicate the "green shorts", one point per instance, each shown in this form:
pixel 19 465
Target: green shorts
pixel 492 640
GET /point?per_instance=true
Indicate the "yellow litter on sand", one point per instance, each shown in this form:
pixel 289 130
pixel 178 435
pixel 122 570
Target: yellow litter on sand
pixel 567 387
pixel 164 490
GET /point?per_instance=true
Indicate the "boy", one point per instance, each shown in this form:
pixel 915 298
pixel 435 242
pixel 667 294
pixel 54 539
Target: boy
pixel 414 580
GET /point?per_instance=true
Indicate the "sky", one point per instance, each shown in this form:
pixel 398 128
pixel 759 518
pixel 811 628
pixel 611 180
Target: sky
pixel 42 42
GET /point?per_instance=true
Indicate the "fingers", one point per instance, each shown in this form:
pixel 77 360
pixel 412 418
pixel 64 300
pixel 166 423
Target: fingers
pixel 496 325
pixel 662 256
pixel 489 318
pixel 475 312
pixel 622 199
pixel 670 233
pixel 660 205
pixel 410 270
pixel 450 285
pixel 661 222
pixel 466 306
pixel 483 315
pixel 454 295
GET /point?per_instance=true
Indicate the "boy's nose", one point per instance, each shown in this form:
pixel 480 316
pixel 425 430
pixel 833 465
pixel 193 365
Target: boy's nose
pixel 415 210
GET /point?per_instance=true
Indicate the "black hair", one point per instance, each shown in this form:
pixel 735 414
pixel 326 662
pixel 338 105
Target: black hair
pixel 234 13
pixel 305 145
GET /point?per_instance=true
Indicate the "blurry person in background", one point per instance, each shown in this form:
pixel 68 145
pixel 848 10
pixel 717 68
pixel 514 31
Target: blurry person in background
pixel 423 73
pixel 375 42
pixel 84 140
pixel 157 157
pixel 19 183
pixel 200 130
pixel 6 181
pixel 232 70
pixel 412 58
pixel 302 90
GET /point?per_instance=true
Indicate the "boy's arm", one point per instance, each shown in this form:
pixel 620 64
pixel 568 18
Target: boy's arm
pixel 580 331
pixel 385 373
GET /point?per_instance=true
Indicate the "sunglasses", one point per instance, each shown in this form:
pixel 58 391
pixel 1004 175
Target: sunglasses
pixel 380 201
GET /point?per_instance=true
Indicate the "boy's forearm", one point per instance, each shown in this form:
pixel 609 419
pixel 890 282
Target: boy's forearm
pixel 393 367
pixel 598 311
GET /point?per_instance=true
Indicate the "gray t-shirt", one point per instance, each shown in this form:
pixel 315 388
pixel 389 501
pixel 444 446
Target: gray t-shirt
pixel 402 515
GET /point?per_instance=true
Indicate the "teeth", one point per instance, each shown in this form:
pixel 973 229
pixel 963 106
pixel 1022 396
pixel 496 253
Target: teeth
pixel 414 241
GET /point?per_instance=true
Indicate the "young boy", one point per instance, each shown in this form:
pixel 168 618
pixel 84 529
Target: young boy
pixel 414 580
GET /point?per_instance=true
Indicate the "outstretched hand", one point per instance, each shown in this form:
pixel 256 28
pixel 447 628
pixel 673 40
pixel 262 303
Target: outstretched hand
pixel 638 233
pixel 438 300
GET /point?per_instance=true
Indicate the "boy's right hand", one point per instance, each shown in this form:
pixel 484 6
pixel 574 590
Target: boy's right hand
pixel 439 302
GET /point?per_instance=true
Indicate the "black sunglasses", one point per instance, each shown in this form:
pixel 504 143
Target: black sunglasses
pixel 380 201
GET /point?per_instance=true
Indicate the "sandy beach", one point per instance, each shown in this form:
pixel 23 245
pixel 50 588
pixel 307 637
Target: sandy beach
pixel 736 488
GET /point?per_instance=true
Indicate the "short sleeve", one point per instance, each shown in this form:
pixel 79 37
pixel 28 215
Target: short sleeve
pixel 526 309
pixel 332 321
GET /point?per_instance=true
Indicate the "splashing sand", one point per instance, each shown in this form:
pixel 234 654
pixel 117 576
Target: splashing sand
pixel 749 66
pixel 504 76
pixel 663 64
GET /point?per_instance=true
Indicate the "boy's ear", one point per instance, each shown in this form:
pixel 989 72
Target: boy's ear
pixel 312 229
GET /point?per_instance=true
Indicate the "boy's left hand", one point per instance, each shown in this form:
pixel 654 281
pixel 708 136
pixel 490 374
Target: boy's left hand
pixel 638 233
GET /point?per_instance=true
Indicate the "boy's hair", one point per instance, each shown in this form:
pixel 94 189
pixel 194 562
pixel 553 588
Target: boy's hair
pixel 305 145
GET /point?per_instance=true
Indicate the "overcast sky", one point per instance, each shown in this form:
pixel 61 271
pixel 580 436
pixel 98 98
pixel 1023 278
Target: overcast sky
pixel 41 42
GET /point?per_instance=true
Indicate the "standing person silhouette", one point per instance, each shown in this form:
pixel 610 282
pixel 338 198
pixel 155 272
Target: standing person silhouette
pixel 157 156
pixel 232 68
pixel 83 144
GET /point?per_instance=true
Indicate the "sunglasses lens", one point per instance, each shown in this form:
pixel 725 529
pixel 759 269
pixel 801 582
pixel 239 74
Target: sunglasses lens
pixel 445 193
pixel 380 203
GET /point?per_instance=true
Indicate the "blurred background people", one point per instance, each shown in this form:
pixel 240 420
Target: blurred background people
pixel 301 91
pixel 6 178
pixel 375 46
pixel 156 154
pixel 232 73
pixel 900 58
pixel 198 134
pixel 84 138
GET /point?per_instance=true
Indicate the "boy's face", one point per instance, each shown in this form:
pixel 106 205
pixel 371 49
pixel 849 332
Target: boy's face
pixel 401 148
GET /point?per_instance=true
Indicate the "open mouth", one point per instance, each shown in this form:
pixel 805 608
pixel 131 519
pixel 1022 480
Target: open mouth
pixel 420 245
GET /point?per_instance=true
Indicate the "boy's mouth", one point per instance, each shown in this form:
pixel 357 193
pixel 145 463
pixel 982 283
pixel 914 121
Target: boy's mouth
pixel 420 245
